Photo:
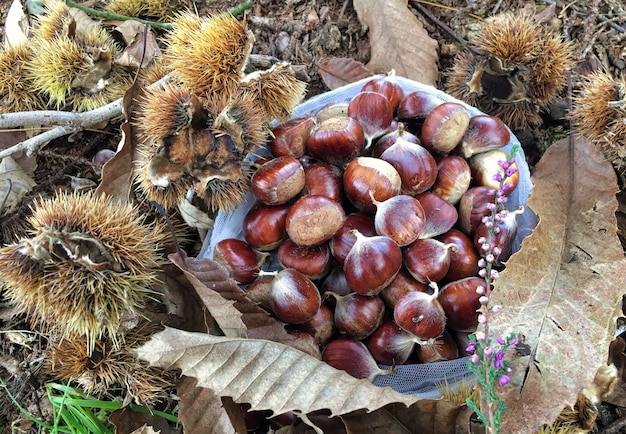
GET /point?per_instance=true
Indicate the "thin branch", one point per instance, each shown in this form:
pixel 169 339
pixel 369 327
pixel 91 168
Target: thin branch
pixel 64 122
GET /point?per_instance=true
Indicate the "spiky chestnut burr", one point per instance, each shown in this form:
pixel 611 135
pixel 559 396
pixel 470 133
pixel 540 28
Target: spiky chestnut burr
pixel 162 10
pixel 55 22
pixel 599 113
pixel 15 86
pixel 88 262
pixel 208 54
pixel 520 71
pixel 277 90
pixel 110 367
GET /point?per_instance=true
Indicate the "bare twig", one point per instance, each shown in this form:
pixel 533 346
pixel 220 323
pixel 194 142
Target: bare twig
pixel 65 123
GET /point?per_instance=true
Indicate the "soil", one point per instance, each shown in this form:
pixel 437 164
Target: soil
pixel 302 32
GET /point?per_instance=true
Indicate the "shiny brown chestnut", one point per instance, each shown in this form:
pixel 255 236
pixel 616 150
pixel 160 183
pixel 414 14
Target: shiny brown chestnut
pixel 372 263
pixel 391 345
pixel 463 259
pixel 264 226
pixel 484 167
pixel 239 258
pixel 417 105
pixel 453 178
pixel 290 138
pixel 502 238
pixel 386 87
pixel 460 302
pixel 421 314
pixel 312 261
pixel 441 349
pixel 428 259
pixel 400 285
pixel 400 218
pixel 278 181
pixel 445 126
pixel 356 315
pixel 484 132
pixel 373 112
pixel 473 206
pixel 324 179
pixel 341 243
pixel 415 165
pixel 332 110
pixel 294 298
pixel 313 219
pixel 352 356
pixel 440 215
pixel 367 177
pixel 337 140
pixel 390 138
pixel 321 326
pixel 335 281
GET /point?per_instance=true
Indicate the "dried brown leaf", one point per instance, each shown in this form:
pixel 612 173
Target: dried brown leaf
pixel 202 411
pixel 265 374
pixel 426 415
pixel 398 40
pixel 259 323
pixel 210 280
pixel 133 33
pixel 562 290
pixel 340 71
pixel 128 421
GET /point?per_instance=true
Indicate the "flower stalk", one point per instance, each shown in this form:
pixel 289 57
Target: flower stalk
pixel 487 361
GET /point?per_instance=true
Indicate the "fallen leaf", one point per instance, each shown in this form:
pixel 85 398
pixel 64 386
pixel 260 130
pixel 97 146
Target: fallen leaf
pixel 16 25
pixel 201 410
pixel 398 41
pixel 339 71
pixel 132 33
pixel 267 375
pixel 145 430
pixel 194 217
pixel 215 279
pixel 128 421
pixel 425 416
pixel 14 184
pixel 258 322
pixel 563 289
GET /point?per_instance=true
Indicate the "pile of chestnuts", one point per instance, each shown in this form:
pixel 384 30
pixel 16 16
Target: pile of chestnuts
pixel 373 209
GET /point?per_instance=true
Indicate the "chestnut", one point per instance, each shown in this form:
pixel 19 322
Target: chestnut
pixel 390 138
pixel 335 282
pixel 312 261
pixel 321 326
pixel 417 105
pixel 400 285
pixel 428 259
pixel 484 132
pixel 374 113
pixel 445 126
pixel 473 206
pixel 389 89
pixel 391 345
pixel 372 263
pixel 239 258
pixel 460 302
pixel 400 218
pixel 367 177
pixel 337 140
pixel 440 215
pixel 313 219
pixel 453 178
pixel 441 349
pixel 356 315
pixel 343 240
pixel 503 238
pixel 415 165
pixel 421 314
pixel 352 356
pixel 332 110
pixel 278 181
pixel 290 137
pixel 325 180
pixel 305 342
pixel 463 259
pixel 294 298
pixel 264 226
pixel 484 167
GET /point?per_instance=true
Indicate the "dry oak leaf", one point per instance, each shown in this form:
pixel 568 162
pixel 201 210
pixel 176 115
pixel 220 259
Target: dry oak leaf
pixel 265 374
pixel 398 40
pixel 210 279
pixel 562 290
pixel 340 71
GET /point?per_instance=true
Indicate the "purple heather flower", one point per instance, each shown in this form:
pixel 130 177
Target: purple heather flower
pixel 471 347
pixel 482 273
pixel 479 289
pixel 490 258
pixel 512 341
pixel 496 251
pixel 497 308
pixel 474 358
pixel 483 300
pixel 500 341
pixel 504 380
pixel 481 262
pixel 480 336
pixel 494 274
pixel 488 351
pixel 510 171
pixel 504 164
pixel 482 318
pixel 497 177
